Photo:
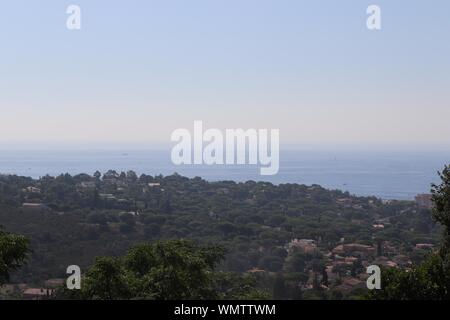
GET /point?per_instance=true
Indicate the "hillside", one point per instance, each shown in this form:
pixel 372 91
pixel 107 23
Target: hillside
pixel 294 238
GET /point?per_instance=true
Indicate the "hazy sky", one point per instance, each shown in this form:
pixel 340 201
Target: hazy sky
pixel 137 70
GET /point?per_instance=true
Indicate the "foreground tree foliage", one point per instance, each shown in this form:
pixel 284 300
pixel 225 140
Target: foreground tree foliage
pixel 431 279
pixel 13 252
pixel 164 270
pixel 441 212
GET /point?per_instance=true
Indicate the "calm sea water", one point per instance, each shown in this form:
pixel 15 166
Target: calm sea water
pixel 388 175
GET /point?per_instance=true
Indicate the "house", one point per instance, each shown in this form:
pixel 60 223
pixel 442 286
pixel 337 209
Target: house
pixel 425 246
pixel 255 270
pixel 353 282
pixel 54 283
pixel 154 184
pixel 303 245
pixel 124 213
pixel 88 184
pixel 107 196
pixel 37 293
pixel 350 260
pixel 402 260
pixel 339 263
pixel 385 262
pixel 391 264
pixel 36 207
pixel 32 190
pixel 344 201
pixel 353 248
pixel 424 201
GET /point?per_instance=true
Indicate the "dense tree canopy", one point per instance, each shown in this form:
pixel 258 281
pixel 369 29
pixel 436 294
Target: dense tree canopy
pixel 13 252
pixel 76 219
pixel 441 211
pixel 164 270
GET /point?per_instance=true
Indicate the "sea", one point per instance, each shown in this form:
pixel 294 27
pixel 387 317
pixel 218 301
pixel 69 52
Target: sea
pixel 384 174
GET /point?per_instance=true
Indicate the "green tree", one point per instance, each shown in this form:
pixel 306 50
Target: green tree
pixel 441 209
pixel 428 281
pixel 431 279
pixel 279 287
pixel 13 253
pixel 107 279
pixel 164 270
pixel 235 286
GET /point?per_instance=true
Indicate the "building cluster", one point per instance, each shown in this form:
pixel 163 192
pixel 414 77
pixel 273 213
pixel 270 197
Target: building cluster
pixel 26 292
pixel 346 264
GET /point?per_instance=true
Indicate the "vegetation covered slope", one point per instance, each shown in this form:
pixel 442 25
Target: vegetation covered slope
pixel 73 219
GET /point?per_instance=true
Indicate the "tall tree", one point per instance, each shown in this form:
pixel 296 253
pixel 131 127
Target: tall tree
pixel 431 279
pixel 441 209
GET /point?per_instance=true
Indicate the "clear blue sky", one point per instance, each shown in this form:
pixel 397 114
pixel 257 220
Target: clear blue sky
pixel 140 69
